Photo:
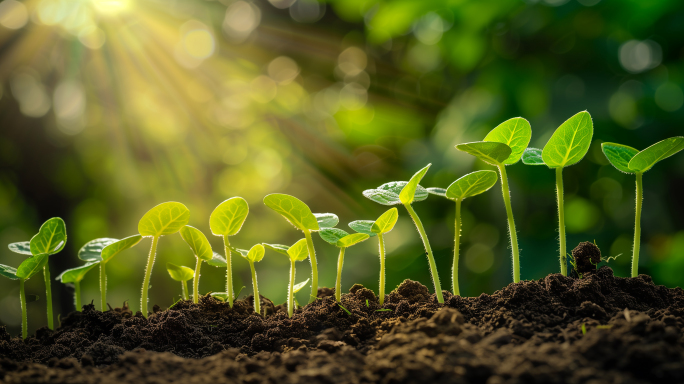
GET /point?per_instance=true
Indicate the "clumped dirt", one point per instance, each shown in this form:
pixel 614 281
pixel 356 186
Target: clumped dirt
pixel 587 256
pixel 598 329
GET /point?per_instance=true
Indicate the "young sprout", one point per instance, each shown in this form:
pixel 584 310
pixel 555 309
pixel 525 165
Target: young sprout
pixel 255 254
pixel 226 220
pixel 75 276
pixel 402 192
pixel 342 240
pixel 27 269
pixel 202 249
pixel 629 160
pixel 164 219
pixel 566 147
pixel 298 288
pixel 467 186
pixel 297 252
pixel 182 274
pixel 503 146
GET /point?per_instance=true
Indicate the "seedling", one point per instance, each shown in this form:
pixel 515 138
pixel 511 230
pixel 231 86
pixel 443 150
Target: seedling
pixel 226 220
pixel 201 249
pixel 342 240
pixel 255 254
pixel 345 309
pixel 75 276
pixel 27 269
pixel 298 288
pixel 566 147
pixel 164 219
pixel 182 274
pixel 467 186
pixel 504 145
pixel 402 192
pixel 297 252
pixel 629 160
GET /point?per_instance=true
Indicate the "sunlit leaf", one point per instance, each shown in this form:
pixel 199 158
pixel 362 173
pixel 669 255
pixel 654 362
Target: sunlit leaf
pixel 117 247
pixel 228 217
pixel 9 272
pixel 619 155
pixel 256 253
pixel 218 260
pixel 363 226
pixel 197 242
pixel 472 184
pixel 388 193
pixel 332 235
pixel 220 296
pixel 239 251
pixel 646 159
pixel 437 191
pixel 50 239
pixel 164 219
pixel 385 222
pixel 532 156
pixel 92 250
pixel 408 192
pixel 180 273
pixel 570 142
pixel 326 220
pixel 293 210
pixel 75 275
pixel 29 267
pixel 382 197
pixel 298 251
pixel 298 287
pixel 277 248
pixel 22 248
pixel 516 133
pixel 352 239
pixel 490 152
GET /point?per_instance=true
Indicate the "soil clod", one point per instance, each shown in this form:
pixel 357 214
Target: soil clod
pixel 587 256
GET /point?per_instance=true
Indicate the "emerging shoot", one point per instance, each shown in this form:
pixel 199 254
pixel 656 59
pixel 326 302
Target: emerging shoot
pixel 342 240
pixel 182 274
pixel 298 288
pixel 27 269
pixel 201 249
pixel 75 276
pixel 255 254
pixel 297 252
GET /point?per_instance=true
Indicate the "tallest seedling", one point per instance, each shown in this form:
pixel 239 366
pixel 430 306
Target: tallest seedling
pixel 504 145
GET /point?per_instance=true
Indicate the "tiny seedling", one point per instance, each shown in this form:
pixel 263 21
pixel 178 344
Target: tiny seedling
pixel 75 276
pixel 27 269
pixel 226 220
pixel 298 288
pixel 629 160
pixel 201 248
pixel 584 328
pixel 504 145
pixel 255 254
pixel 469 185
pixel 342 240
pixel 297 252
pixel 181 274
pixel 566 147
pixel 164 219
pixel 345 309
pixel 383 310
pixel 402 192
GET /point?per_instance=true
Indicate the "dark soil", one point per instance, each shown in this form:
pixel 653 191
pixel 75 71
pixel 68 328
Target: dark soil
pixel 598 329
pixel 587 256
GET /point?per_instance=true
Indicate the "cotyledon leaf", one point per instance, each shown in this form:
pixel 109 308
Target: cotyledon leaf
pixel 293 210
pixel 363 226
pixel 119 246
pixel 326 220
pixel 619 155
pixel 407 193
pixel 516 133
pixel 164 219
pixel 92 250
pixel 646 159
pixel 179 272
pixel 50 239
pixel 385 222
pixel 472 184
pixel 22 248
pixel 277 248
pixel 532 156
pixel 570 142
pixel 491 152
pixel 228 217
pixel 256 253
pixel 352 239
pixel 298 287
pixel 437 191
pixel 198 242
pixel 388 193
pixel 298 251
pixel 218 260
pixel 332 235
pixel 8 272
pixel 29 267
pixel 75 275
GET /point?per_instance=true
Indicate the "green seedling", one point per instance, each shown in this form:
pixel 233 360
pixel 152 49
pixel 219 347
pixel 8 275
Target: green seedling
pixel 504 145
pixel 566 147
pixel 75 276
pixel 27 269
pixel 402 192
pixel 297 252
pixel 201 249
pixel 181 274
pixel 297 213
pixel 164 219
pixel 345 309
pixel 629 160
pixel 383 310
pixel 255 254
pixel 226 220
pixel 342 240
pixel 469 185
pixel 298 288
pixel 223 296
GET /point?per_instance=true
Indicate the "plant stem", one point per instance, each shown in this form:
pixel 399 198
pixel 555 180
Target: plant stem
pixel 148 273
pixel 381 291
pixel 314 266
pixel 24 321
pixel 561 220
pixel 511 223
pixel 195 282
pixel 229 272
pixel 77 294
pixel 103 286
pixel 637 224
pixel 290 290
pixel 431 259
pixel 184 289
pixel 338 283
pixel 257 298
pixel 457 245
pixel 48 296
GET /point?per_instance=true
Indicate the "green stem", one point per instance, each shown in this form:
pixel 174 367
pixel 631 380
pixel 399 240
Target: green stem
pixel 561 220
pixel 48 296
pixel 148 273
pixel 431 259
pixel 381 291
pixel 257 298
pixel 338 283
pixel 103 286
pixel 637 224
pixel 511 223
pixel 229 272
pixel 314 266
pixel 457 245
pixel 77 294
pixel 195 282
pixel 290 290
pixel 24 321
pixel 184 289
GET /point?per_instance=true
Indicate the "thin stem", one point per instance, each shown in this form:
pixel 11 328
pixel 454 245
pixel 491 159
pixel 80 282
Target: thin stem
pixel 637 224
pixel 229 272
pixel 24 321
pixel 381 291
pixel 195 282
pixel 314 266
pixel 257 298
pixel 148 273
pixel 511 223
pixel 431 259
pixel 457 245
pixel 290 290
pixel 77 295
pixel 184 289
pixel 103 286
pixel 561 220
pixel 338 283
pixel 48 296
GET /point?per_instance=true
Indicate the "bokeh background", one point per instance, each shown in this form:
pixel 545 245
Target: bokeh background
pixel 109 107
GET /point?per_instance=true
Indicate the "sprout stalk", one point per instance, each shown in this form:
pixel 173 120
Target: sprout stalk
pixel 103 286
pixel 431 259
pixel 184 289
pixel 457 245
pixel 314 266
pixel 24 321
pixel 637 224
pixel 77 294
pixel 290 290
pixel 148 273
pixel 338 283
pixel 561 220
pixel 48 296
pixel 511 223
pixel 229 272
pixel 257 298
pixel 381 291
pixel 195 282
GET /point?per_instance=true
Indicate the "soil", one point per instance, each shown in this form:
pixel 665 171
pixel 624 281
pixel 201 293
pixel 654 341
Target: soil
pixel 598 329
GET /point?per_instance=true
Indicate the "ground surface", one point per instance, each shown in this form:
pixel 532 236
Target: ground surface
pixel 529 332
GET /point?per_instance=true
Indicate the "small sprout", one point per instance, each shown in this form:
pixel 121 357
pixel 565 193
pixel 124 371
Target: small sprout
pixel 345 309
pixel 220 296
pixel 226 220
pixel 297 252
pixel 201 248
pixel 383 310
pixel 297 213
pixel 342 240
pixel 298 288
pixel 584 329
pixel 255 254
pixel 27 269
pixel 382 225
pixel 182 274
pixel 367 305
pixel 164 219
pixel 75 276
pixel 629 160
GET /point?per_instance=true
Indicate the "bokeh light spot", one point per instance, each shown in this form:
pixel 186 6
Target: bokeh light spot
pixel 581 215
pixel 199 43
pixel 283 69
pixel 92 37
pixel 669 97
pixel 241 19
pixel 13 14
pixel 638 56
pixel 479 258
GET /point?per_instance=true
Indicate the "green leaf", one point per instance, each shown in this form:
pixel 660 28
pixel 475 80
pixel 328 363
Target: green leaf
pixel 31 266
pixel 363 226
pixel 388 193
pixel 75 275
pixel 532 156
pixel 9 272
pixel 472 184
pixel 239 251
pixel 22 248
pixel 218 260
pixel 180 273
pixel 326 220
pixel 490 152
pixel 256 253
pixel 385 222
pixel 164 219
pixel 115 248
pixel 332 235
pixel 516 133
pixel 298 287
pixel 228 217
pixel 197 242
pixel 408 192
pixel 570 142
pixel 298 251
pixel 50 239
pixel 619 155
pixel 277 248
pixel 437 191
pixel 647 158
pixel 293 210
pixel 92 250
pixel 220 296
pixel 352 239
